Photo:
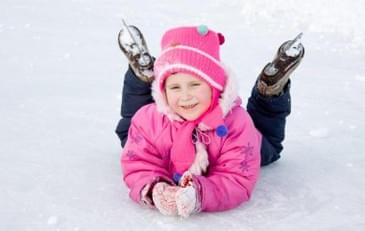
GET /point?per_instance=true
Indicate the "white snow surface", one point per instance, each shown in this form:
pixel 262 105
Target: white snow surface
pixel 61 74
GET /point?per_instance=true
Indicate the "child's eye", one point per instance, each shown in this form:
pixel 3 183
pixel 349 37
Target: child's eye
pixel 174 88
pixel 195 84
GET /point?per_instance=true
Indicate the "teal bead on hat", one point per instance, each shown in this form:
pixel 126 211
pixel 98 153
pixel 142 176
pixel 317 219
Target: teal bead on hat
pixel 202 30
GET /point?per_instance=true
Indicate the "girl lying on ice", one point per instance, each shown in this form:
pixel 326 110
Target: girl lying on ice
pixel 189 145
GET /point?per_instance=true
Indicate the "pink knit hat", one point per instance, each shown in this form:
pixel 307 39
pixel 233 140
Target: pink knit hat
pixel 192 50
pixel 195 50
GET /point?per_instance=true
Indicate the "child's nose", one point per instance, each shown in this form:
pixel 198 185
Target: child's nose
pixel 186 94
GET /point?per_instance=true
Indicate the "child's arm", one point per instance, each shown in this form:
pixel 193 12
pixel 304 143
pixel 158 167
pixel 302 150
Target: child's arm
pixel 232 178
pixel 142 164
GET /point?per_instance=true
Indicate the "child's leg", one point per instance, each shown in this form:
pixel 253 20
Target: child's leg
pixel 135 94
pixel 137 81
pixel 269 104
pixel 269 116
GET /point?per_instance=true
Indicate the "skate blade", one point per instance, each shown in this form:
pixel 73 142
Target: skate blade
pixel 130 40
pixel 294 47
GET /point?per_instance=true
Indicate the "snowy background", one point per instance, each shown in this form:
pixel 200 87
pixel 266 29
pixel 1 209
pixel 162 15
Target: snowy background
pixel 60 78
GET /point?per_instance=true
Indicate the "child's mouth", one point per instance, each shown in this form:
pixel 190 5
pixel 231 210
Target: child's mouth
pixel 189 107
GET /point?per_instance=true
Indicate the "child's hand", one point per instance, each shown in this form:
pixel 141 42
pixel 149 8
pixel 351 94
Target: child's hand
pixel 186 201
pixel 176 200
pixel 163 196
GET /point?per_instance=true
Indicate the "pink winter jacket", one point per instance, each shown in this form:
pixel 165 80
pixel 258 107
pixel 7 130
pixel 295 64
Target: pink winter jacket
pixel 234 160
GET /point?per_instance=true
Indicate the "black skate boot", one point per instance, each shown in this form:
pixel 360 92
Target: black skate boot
pixel 275 75
pixel 134 47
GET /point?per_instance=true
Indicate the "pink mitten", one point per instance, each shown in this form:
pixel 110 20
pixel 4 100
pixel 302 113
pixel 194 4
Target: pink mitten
pixel 163 196
pixel 186 201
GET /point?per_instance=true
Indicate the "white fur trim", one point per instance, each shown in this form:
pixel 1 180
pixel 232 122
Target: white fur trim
pixel 229 94
pixel 192 69
pixel 201 161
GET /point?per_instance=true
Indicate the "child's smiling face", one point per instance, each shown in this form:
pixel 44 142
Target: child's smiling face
pixel 187 95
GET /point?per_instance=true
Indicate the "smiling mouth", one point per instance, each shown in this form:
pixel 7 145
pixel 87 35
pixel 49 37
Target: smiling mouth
pixel 188 107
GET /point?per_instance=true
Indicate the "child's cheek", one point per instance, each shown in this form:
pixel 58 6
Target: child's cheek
pixel 173 102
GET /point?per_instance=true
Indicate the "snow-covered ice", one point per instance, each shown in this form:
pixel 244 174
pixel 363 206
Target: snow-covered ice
pixel 53 220
pixel 61 74
pixel 320 132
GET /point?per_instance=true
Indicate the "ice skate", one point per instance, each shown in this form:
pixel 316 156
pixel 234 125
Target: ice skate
pixel 275 75
pixel 134 47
